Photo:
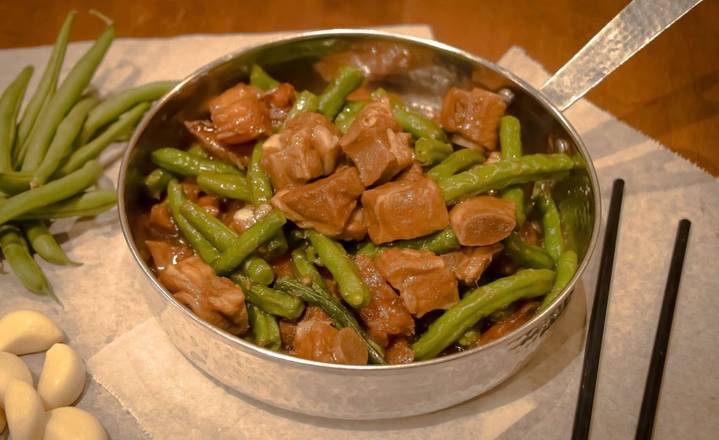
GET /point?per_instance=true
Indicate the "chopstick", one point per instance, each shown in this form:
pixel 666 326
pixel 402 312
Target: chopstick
pixel 645 426
pixel 585 402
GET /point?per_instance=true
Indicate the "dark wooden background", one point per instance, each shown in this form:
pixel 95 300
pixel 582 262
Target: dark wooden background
pixel 670 90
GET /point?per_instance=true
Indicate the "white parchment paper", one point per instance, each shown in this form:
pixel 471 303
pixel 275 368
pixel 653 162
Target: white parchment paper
pixel 129 355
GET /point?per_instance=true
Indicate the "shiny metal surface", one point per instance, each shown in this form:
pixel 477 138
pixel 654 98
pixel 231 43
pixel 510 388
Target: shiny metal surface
pixel 341 391
pixel 633 28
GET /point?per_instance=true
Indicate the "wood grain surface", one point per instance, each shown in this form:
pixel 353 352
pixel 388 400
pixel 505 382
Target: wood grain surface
pixel 670 90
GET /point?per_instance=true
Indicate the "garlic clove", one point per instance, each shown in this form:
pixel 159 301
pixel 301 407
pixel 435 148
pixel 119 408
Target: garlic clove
pixel 63 377
pixel 73 423
pixel 11 367
pixel 24 411
pixel 27 331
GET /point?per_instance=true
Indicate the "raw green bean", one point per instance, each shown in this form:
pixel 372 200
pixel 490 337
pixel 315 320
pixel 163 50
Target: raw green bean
pixel 62 142
pixel 333 97
pixel 334 257
pixel 347 115
pixel 114 106
pixel 339 314
pixel 265 331
pixel 212 228
pixel 431 151
pixel 43 242
pixel 9 106
pixel 70 90
pixel 156 182
pixel 502 174
pixel 458 161
pixel 510 140
pixel 566 267
pixel 477 304
pixel 175 199
pixel 526 255
pixel 197 150
pixel 82 205
pixel 188 165
pixel 272 301
pixel 13 182
pixel 261 79
pixel 93 149
pixel 551 225
pixel 250 240
pixel 260 185
pixel 52 192
pixel 46 86
pixel 231 186
pixel 439 242
pixel 306 101
pixel 17 254
pixel 258 270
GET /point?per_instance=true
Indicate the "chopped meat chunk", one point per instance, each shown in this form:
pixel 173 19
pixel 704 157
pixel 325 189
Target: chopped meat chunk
pixel 239 116
pixel 375 115
pixel 287 333
pixel 377 59
pixel 423 279
pixel 316 339
pixel 385 315
pixel 324 205
pixel 206 133
pixel 469 264
pixel 399 352
pixel 356 227
pixel 282 267
pixel 215 299
pixel 349 348
pixel 279 101
pixel 211 204
pixel 160 217
pixel 404 209
pixel 474 114
pixel 482 220
pixel 510 323
pixel 191 190
pixel 306 149
pixel 164 254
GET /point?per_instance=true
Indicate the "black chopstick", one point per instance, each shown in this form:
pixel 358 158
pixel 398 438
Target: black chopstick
pixel 585 402
pixel 661 341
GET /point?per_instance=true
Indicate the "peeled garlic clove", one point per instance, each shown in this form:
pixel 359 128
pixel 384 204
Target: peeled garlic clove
pixel 73 423
pixel 11 367
pixel 62 378
pixel 27 331
pixel 24 411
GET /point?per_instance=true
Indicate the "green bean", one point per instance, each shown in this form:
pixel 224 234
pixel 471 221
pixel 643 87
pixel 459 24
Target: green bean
pixel 526 255
pixel 333 97
pixel 477 304
pixel 45 88
pixel 197 150
pixel 9 106
pixel 265 331
pixel 261 79
pixel 188 165
pixel 502 174
pixel 469 339
pixel 431 151
pixel 52 192
pixel 458 161
pixel 347 115
pixel 70 90
pixel 306 101
pixel 250 240
pixel 13 182
pixel 156 182
pixel 439 242
pixel 306 271
pixel 62 142
pixel 566 267
pixel 272 301
pixel 274 247
pixel 369 249
pixel 231 186
pixel 114 106
pixel 17 254
pixel 82 205
pixel 510 140
pixel 175 199
pixel 551 225
pixel 260 186
pixel 257 270
pixel 411 121
pixel 43 243
pixel 339 314
pixel 212 228
pixel 93 149
pixel 334 257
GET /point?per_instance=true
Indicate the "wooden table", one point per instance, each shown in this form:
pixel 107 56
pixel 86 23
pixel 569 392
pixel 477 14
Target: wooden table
pixel 670 90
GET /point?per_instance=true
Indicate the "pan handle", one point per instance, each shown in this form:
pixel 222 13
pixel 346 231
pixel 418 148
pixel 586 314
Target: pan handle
pixel 632 29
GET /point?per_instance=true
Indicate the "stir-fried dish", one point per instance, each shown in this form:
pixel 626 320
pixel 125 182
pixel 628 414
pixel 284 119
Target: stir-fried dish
pixel 346 227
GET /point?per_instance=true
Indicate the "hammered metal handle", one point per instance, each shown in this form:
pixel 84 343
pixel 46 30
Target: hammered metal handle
pixel 632 29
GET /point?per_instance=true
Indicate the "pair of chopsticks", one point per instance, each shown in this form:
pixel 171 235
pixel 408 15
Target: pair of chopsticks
pixel 585 402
